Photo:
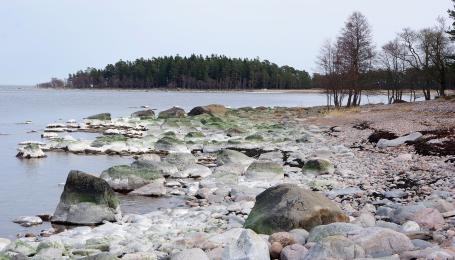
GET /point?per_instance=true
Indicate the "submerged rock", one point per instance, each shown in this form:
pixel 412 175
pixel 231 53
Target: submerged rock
pixel 102 116
pixel 144 114
pixel 86 200
pixel 287 206
pixel 174 112
pixel 30 151
pixel 318 166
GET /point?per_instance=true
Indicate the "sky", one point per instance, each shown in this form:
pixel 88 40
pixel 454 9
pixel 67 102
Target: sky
pixel 40 39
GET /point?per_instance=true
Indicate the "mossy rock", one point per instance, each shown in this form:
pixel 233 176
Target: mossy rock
pixel 108 139
pixel 144 114
pixel 174 112
pixel 254 138
pixel 170 134
pixel 102 116
pixel 195 134
pixel 122 171
pixel 318 166
pixel 287 206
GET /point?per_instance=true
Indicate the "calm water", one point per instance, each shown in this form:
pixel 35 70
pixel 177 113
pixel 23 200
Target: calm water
pixel 30 187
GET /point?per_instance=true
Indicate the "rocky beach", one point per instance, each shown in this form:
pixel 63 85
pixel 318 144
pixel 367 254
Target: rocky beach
pixel 372 182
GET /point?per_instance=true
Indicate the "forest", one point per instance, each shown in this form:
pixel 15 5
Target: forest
pixel 194 72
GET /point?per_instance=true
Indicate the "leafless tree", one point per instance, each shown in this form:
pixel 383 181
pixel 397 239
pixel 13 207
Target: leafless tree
pixel 356 49
pixel 440 51
pixel 395 67
pixel 329 63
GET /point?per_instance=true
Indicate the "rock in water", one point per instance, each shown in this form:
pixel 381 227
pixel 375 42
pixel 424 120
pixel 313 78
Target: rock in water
pixel 102 116
pixel 174 112
pixel 31 151
pixel 249 246
pixel 86 200
pixel 287 206
pixel 128 178
pixel 318 167
pixel 144 114
pixel 213 109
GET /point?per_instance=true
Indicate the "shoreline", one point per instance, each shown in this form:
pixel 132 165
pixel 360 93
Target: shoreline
pixel 370 184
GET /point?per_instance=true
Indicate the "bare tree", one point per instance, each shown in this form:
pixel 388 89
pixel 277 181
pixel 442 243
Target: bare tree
pixel 440 52
pixel 395 67
pixel 356 50
pixel 329 63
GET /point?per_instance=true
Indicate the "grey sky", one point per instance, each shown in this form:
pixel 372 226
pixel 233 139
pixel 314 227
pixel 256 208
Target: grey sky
pixel 44 38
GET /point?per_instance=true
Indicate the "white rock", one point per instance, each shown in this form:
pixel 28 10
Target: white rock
pixel 410 226
pixel 384 143
pixel 4 243
pixel 249 246
pixel 28 221
pixel 194 253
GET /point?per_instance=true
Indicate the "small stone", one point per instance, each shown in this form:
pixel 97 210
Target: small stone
pixel 275 250
pixel 410 226
pixel 284 238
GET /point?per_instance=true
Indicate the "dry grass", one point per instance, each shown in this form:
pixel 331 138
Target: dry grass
pixel 338 112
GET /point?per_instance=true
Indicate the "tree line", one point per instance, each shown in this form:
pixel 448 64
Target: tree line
pixel 416 60
pixel 194 72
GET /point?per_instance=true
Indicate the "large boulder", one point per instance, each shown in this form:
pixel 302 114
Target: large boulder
pixel 127 178
pixel 86 200
pixel 174 112
pixel 144 114
pixel 102 116
pixel 249 246
pixel 265 170
pixel 287 206
pixel 213 109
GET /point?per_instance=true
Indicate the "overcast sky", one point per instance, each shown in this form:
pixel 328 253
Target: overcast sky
pixel 46 38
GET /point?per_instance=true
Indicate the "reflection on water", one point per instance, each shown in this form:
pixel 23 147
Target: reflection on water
pixel 31 187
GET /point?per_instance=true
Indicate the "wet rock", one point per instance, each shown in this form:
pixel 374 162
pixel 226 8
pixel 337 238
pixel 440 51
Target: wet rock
pixel 128 178
pixel 384 143
pixel 265 170
pixel 86 200
pixel 335 247
pixel 194 253
pixel 102 116
pixel 144 114
pixel 213 109
pixel 318 166
pixel 30 151
pixel 174 112
pixel 287 206
pixel 28 221
pixel 293 252
pixel 334 229
pixel 249 246
pixel 379 242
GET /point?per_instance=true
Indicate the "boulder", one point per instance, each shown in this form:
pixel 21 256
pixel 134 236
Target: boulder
pixel 30 151
pixel 127 178
pixel 293 252
pixel 265 170
pixel 27 221
pixel 181 160
pixel 318 166
pixel 144 114
pixel 194 253
pixel 335 247
pixel 379 242
pixel 287 206
pixel 174 112
pixel 213 109
pixel 334 229
pixel 428 218
pixel 86 200
pixel 384 143
pixel 102 116
pixel 249 246
pixel 197 171
pixel 227 156
pixel 155 188
pixel 171 145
